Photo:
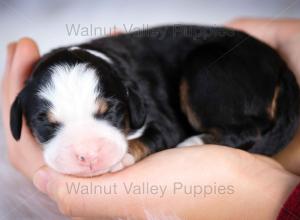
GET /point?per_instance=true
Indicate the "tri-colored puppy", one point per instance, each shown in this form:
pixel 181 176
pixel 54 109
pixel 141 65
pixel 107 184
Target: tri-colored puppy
pixel 103 105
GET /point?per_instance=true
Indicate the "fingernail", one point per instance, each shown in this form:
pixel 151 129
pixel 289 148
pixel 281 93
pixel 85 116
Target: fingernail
pixel 40 180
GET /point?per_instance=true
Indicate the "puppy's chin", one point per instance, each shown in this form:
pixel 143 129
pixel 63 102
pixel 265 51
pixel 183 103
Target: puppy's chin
pixel 78 151
pixel 87 172
pixel 74 170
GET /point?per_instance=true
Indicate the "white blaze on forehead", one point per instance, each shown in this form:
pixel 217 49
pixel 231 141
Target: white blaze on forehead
pixel 72 92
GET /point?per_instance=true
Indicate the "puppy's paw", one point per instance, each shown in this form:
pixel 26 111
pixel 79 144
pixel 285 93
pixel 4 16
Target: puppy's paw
pixel 127 161
pixel 194 140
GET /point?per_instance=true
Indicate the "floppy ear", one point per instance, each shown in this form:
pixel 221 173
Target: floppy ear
pixel 16 118
pixel 137 110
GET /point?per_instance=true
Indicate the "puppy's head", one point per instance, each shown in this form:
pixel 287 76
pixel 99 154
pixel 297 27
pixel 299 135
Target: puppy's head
pixel 80 111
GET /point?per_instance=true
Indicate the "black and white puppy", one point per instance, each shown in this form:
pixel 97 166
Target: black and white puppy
pixel 103 105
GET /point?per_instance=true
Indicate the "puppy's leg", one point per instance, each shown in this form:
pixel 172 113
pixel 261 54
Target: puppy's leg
pixel 199 140
pixel 155 138
pixel 126 161
pixel 194 140
pixel 137 150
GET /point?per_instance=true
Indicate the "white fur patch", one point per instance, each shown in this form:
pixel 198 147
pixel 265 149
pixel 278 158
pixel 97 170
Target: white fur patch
pixel 58 154
pixel 100 55
pixel 138 133
pixel 74 48
pixel 95 53
pixel 73 92
pixel 194 140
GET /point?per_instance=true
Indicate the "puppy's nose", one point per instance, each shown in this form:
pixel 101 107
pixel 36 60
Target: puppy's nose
pixel 88 153
pixel 87 159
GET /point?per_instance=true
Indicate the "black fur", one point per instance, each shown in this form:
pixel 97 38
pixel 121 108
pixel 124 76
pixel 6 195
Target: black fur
pixel 231 78
pixel 16 118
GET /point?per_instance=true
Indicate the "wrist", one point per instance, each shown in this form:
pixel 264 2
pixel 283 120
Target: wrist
pixel 269 193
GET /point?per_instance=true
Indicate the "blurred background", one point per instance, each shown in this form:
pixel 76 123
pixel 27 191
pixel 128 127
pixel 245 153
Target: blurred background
pixel 54 23
pixel 48 22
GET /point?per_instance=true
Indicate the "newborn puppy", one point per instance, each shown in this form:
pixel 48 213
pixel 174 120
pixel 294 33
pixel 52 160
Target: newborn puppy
pixel 103 105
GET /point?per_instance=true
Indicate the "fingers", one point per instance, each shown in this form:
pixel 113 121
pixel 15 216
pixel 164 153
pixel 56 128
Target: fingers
pixel 25 154
pixel 11 48
pixel 92 197
pixel 20 59
pixel 75 196
pixel 56 187
pixel 281 34
pixel 108 196
pixel 272 31
pixel 25 57
pixel 263 29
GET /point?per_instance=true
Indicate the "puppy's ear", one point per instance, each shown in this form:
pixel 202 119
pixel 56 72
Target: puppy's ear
pixel 137 110
pixel 16 118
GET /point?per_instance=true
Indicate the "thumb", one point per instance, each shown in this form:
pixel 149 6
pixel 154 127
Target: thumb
pixel 50 182
pixel 263 29
pixel 41 178
pixel 53 184
pixel 72 199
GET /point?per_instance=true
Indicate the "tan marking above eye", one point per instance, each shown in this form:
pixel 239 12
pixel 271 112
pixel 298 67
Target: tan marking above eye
pixel 51 117
pixel 102 106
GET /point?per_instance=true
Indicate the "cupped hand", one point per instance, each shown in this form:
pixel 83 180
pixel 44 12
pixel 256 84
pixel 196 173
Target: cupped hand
pixel 201 182
pixel 256 180
pixel 284 36
pixel 25 154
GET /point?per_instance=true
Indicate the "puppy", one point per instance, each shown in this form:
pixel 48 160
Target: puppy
pixel 103 105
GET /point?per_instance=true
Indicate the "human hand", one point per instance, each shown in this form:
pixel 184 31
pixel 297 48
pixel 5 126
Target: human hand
pixel 249 182
pixel 213 164
pixel 284 36
pixel 25 155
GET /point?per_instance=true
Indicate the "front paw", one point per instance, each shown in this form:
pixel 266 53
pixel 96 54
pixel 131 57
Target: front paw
pixel 191 141
pixel 126 161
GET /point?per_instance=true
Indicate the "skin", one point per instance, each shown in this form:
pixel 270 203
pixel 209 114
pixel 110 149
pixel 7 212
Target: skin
pixel 256 180
pixel 284 36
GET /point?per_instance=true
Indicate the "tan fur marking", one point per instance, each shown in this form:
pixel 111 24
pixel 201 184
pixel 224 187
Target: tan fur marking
pixel 103 106
pixel 126 128
pixel 273 106
pixel 186 107
pixel 138 149
pixel 51 117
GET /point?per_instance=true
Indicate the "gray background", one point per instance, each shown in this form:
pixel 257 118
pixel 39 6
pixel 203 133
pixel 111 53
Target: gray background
pixel 45 21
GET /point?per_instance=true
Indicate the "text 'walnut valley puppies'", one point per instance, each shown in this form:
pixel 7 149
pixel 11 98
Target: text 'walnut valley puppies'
pixel 103 105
